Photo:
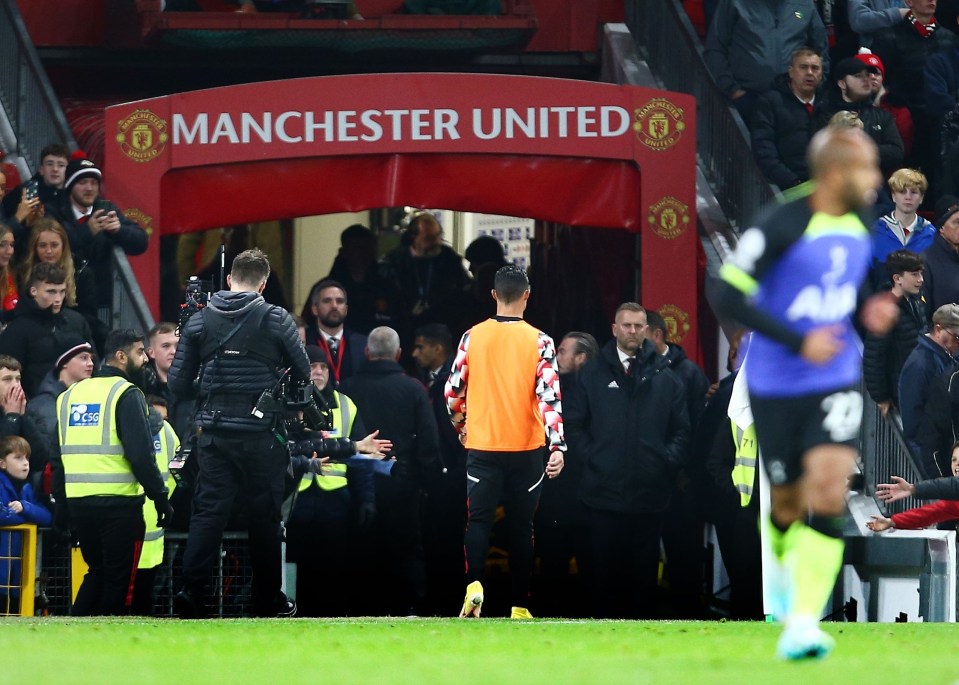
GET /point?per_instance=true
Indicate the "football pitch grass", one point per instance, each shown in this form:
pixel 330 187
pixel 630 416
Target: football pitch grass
pixel 383 651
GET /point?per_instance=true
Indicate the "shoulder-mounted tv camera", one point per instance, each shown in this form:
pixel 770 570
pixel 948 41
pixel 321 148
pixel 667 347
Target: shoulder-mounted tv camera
pixel 195 297
pixel 291 399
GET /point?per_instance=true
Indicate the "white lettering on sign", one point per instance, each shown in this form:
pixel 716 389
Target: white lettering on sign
pixel 399 125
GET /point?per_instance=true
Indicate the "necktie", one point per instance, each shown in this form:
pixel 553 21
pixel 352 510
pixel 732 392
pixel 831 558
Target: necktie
pixel 83 219
pixel 432 378
pixel 629 365
pixel 334 344
pixel 809 107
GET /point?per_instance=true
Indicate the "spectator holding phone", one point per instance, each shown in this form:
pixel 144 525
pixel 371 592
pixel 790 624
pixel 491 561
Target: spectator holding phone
pixel 93 224
pixel 23 212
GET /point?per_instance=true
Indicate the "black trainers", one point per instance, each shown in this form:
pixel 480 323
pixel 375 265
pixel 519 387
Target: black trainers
pixel 287 608
pixel 186 606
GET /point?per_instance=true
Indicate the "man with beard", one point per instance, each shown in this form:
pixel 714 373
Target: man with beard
pixel 35 337
pixel 102 466
pixel 854 93
pixel 794 279
pixel 344 348
pixel 94 225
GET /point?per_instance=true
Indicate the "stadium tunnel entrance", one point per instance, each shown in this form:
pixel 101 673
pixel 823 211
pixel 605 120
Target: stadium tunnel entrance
pixel 567 153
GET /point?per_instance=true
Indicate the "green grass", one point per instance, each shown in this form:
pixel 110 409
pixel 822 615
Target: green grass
pixel 488 651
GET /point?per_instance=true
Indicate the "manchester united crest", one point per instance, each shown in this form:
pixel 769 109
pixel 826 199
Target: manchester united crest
pixel 145 220
pixel 677 323
pixel 668 218
pixel 142 135
pixel 658 124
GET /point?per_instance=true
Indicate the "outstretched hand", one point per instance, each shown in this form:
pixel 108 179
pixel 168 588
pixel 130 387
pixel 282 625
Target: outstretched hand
pixel 899 489
pixel 879 523
pixel 373 446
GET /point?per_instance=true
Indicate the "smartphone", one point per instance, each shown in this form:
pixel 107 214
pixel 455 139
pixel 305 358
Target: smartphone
pixel 32 188
pixel 99 204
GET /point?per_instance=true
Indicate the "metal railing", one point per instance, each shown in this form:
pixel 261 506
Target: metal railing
pixel 129 307
pixel 27 98
pixel 885 454
pixel 673 51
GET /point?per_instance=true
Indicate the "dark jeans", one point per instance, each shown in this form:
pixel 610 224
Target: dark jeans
pixel 625 563
pixel 515 478
pixel 110 541
pixel 251 467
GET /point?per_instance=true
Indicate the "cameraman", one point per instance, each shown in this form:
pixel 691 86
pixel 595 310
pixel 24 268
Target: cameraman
pixel 237 345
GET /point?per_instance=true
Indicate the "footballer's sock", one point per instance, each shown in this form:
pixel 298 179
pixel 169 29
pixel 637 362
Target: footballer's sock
pixel 778 538
pixel 816 551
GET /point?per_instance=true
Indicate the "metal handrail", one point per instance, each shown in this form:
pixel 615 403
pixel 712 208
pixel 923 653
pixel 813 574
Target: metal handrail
pixel 885 453
pixel 129 306
pixel 27 98
pixel 673 51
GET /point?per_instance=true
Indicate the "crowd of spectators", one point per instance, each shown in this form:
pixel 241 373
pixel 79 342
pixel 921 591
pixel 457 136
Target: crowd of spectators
pixel 379 334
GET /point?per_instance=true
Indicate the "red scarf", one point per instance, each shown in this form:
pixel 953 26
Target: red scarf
pixel 10 295
pixel 924 30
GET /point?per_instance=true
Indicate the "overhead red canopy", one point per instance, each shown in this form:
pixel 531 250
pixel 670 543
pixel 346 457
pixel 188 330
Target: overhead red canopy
pixel 573 152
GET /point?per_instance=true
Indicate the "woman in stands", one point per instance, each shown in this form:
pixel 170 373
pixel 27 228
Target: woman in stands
pixel 8 284
pixel 49 243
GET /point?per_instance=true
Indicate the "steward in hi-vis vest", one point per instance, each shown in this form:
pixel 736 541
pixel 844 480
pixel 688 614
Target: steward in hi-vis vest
pixel 105 455
pixel 326 513
pixel 165 444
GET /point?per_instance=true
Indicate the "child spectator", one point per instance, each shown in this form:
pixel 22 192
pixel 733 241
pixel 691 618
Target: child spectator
pixel 17 505
pixel 924 516
pixel 902 227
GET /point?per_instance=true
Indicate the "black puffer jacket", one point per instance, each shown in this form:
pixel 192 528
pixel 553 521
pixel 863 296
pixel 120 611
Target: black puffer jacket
pixel 884 355
pixel 632 432
pixel 35 338
pixel 231 383
pixel 878 123
pixel 780 130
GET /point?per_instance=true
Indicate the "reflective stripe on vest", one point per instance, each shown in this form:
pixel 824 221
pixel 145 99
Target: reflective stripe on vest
pixel 334 475
pixel 90 448
pixel 744 468
pixel 165 446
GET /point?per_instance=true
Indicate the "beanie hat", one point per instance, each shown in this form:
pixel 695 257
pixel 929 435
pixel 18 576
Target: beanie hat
pixel 317 354
pixel 71 346
pixel 945 208
pixel 81 168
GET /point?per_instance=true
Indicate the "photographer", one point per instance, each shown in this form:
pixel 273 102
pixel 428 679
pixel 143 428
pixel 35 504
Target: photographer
pixel 236 345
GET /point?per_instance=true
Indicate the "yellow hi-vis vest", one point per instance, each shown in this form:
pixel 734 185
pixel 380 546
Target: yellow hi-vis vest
pixel 91 452
pixel 165 445
pixel 744 468
pixel 334 475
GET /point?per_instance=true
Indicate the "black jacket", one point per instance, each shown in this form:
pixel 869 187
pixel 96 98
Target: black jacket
pixel 937 428
pixel 632 431
pixel 940 275
pixel 938 488
pixel 42 411
pixel 885 355
pixel 878 123
pixel 35 336
pixel 231 382
pixel 559 502
pixel 398 406
pixel 133 429
pixel 96 249
pixel 355 351
pixel 780 131
pixel 904 54
pixel 694 381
